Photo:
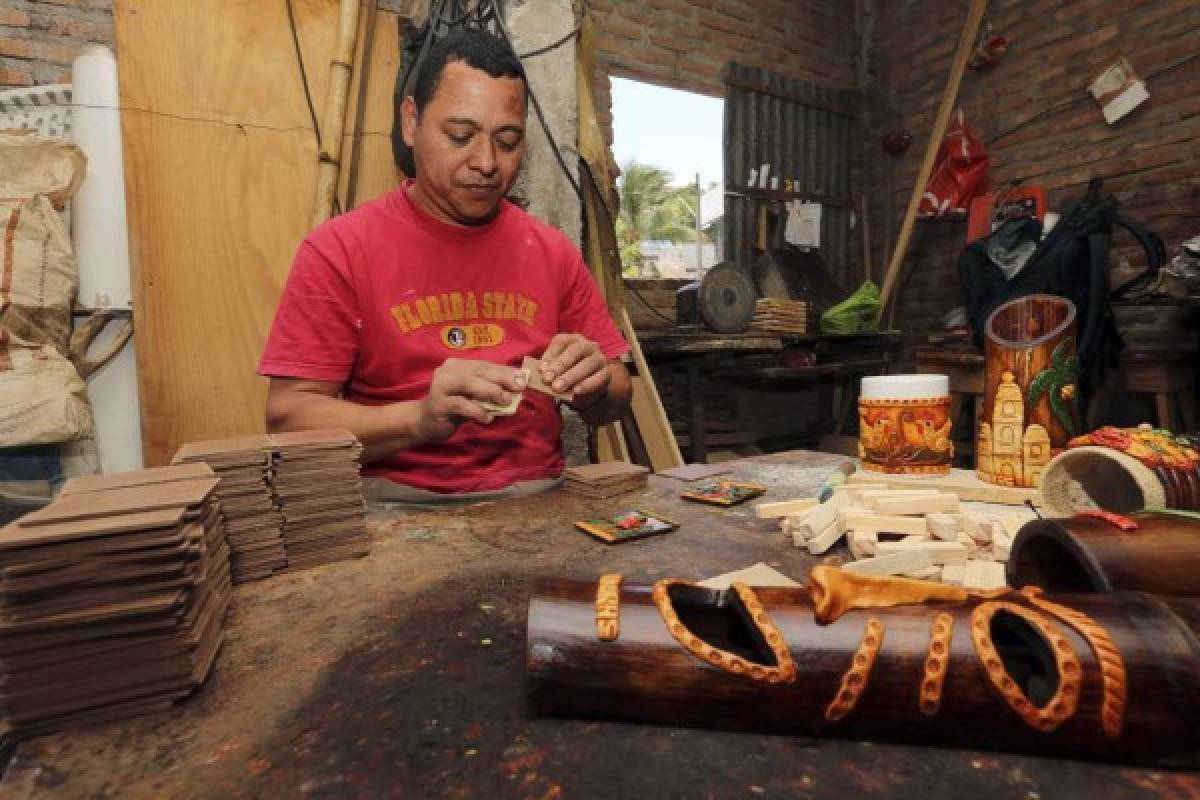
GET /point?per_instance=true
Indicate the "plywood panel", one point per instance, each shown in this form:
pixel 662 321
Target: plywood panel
pixel 220 165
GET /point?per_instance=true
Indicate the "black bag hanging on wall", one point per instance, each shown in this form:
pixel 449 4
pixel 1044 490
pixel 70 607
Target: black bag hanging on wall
pixel 1073 261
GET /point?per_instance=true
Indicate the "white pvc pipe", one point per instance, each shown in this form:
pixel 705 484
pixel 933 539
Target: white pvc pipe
pixel 101 241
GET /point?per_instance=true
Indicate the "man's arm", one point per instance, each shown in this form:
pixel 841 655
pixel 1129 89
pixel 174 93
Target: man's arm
pixel 598 388
pixel 607 407
pixel 454 395
pixel 295 405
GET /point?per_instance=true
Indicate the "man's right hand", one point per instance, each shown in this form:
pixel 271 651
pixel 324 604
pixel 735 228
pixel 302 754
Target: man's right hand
pixel 455 393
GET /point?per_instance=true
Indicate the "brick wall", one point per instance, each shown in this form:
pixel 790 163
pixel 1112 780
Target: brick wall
pixel 40 38
pixel 683 44
pixel 1148 159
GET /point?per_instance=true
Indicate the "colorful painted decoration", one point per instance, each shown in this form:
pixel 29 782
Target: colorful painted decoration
pixel 626 526
pixel 724 493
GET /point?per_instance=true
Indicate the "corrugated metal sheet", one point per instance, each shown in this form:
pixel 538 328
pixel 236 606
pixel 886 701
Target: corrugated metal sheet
pixel 804 132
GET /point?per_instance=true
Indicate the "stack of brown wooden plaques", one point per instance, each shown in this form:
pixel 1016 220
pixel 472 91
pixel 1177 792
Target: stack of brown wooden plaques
pixel 604 480
pixel 780 316
pixel 111 598
pixel 317 488
pixel 253 525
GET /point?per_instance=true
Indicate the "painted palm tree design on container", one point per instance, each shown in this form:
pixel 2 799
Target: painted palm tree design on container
pixel 1057 383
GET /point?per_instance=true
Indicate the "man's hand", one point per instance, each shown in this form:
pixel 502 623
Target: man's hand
pixel 455 392
pixel 575 366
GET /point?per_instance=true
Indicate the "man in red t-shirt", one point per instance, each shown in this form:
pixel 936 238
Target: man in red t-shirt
pixel 399 318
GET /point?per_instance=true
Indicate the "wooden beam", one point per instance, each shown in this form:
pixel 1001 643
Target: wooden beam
pixel 653 416
pixel 966 43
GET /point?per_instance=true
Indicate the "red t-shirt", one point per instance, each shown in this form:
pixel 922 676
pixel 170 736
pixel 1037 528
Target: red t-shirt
pixel 378 298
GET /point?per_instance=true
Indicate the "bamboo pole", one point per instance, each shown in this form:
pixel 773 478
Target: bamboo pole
pixel 341 70
pixel 360 104
pixel 966 43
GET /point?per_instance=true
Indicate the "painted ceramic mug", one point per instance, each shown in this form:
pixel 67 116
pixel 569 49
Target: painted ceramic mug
pixel 904 424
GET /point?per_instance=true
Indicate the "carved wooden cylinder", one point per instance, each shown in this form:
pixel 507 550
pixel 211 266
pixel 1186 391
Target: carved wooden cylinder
pixel 1031 376
pixel 1092 554
pixel 1102 676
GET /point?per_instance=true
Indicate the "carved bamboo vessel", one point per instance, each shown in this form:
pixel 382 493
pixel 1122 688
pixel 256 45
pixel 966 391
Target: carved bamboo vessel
pixel 1123 470
pixel 1160 555
pixel 1031 374
pixel 1108 677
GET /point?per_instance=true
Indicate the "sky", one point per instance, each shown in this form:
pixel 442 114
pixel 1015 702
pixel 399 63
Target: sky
pixel 678 131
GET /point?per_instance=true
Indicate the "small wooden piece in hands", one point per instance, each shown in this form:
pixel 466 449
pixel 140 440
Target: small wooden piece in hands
pixel 533 376
pixel 514 400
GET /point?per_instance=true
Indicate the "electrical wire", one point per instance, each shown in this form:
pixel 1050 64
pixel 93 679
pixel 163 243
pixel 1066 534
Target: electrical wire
pixel 312 110
pixel 554 46
pixel 1076 100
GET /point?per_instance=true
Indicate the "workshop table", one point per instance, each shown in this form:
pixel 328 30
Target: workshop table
pixel 401 675
pixel 756 359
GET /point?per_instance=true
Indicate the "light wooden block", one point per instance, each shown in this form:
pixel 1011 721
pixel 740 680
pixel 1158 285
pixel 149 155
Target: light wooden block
pixel 862 543
pixel 825 539
pixel 953 574
pixel 784 507
pixel 879 523
pixel 877 494
pixel 1002 545
pixel 818 518
pixel 939 552
pixel 799 539
pixel 856 489
pixel 944 526
pixel 891 564
pixel 984 575
pixel 937 503
pixel 933 573
pixel 917 537
pixel 967 542
pixel 978 528
pixel 1014 522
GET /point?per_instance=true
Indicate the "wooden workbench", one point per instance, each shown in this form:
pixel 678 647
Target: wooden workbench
pixel 400 675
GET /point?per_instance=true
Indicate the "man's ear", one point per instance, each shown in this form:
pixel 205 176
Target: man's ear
pixel 408 120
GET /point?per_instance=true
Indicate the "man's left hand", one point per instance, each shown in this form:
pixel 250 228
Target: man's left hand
pixel 575 366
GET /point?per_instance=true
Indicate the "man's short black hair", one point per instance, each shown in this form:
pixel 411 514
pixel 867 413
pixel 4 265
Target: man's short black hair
pixel 476 48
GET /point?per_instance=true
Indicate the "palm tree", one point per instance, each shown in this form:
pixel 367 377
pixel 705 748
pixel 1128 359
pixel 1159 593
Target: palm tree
pixel 650 210
pixel 1058 383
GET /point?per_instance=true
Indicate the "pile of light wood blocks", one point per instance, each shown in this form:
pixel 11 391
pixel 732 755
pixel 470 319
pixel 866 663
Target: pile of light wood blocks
pixel 779 316
pixel 112 599
pixel 925 534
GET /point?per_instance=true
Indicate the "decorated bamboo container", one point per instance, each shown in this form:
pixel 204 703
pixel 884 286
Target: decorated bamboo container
pixel 1112 677
pixel 1031 375
pixel 1123 470
pixel 1102 551
pixel 904 424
